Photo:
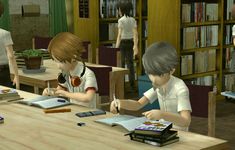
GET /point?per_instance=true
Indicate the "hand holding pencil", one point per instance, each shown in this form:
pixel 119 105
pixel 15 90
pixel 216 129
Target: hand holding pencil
pixel 114 107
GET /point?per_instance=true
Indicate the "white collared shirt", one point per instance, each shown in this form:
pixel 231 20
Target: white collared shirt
pixel 88 80
pixel 174 99
pixel 5 40
pixel 127 24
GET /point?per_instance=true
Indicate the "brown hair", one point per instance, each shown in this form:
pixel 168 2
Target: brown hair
pixel 1 8
pixel 66 46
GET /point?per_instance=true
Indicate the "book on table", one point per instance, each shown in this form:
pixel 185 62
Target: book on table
pixel 8 94
pixel 154 132
pixel 126 121
pixel 46 102
pixel 153 127
pixel 156 142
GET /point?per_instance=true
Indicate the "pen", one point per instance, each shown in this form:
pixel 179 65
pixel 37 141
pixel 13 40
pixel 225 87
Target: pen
pixel 61 100
pixel 116 103
pixel 57 110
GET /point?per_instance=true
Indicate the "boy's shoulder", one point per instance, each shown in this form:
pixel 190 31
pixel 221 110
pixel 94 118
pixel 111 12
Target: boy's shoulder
pixel 177 82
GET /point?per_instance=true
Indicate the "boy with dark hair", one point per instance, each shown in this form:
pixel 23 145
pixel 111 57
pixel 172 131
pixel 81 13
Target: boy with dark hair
pixel 160 61
pixel 127 38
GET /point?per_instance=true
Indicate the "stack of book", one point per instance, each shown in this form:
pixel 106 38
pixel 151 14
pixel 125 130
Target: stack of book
pixel 8 95
pixel 155 133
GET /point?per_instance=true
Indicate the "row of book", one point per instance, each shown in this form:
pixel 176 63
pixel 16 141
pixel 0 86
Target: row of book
pixel 230 59
pixel 204 36
pixel 206 80
pixel 108 8
pixel 199 12
pixel 229 82
pixel 228 35
pixel 203 61
pixel 228 9
pixel 157 133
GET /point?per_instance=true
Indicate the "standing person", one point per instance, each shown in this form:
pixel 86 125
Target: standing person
pixel 127 38
pixel 7 57
pixel 160 61
pixel 76 81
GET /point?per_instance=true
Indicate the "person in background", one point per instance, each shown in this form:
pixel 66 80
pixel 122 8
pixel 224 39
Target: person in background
pixel 127 39
pixel 160 61
pixel 7 57
pixel 76 81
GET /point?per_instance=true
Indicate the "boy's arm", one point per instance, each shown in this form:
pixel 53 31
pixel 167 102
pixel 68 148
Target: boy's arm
pixel 182 119
pixel 118 37
pixel 234 41
pixel 129 104
pixel 135 37
pixel 82 97
pixel 12 62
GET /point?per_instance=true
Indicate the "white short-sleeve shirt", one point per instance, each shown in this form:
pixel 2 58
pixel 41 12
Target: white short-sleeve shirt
pixel 5 40
pixel 88 81
pixel 127 24
pixel 174 99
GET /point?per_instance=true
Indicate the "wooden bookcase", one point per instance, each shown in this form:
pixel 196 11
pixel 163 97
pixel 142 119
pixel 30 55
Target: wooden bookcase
pixel 94 28
pixel 165 24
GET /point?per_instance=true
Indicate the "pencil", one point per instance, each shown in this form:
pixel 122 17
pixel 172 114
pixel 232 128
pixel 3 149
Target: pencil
pixel 57 110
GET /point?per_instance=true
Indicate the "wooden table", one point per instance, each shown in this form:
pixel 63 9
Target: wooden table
pixel 29 128
pixel 42 80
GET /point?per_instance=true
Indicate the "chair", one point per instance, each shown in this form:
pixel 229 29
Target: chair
pixel 87 55
pixel 108 56
pixel 105 86
pixel 42 43
pixel 203 102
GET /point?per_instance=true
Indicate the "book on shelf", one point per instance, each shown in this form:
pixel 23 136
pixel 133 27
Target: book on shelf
pixel 153 127
pixel 156 142
pixel 186 64
pixel 229 9
pixel 203 36
pixel 45 102
pixel 126 121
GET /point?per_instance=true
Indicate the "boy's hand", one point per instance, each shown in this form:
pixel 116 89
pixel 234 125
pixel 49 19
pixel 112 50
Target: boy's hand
pixel 135 49
pixel 154 114
pixel 113 106
pixel 50 92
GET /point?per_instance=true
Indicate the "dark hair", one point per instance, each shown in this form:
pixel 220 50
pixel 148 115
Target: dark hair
pixel 160 58
pixel 125 7
pixel 1 8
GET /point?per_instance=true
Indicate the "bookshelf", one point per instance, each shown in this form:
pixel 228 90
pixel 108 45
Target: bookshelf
pixel 101 26
pixel 206 25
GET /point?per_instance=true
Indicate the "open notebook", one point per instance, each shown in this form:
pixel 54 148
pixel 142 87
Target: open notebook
pixel 126 121
pixel 45 102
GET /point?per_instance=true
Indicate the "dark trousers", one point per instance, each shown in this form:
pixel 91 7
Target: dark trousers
pixel 126 47
pixel 5 79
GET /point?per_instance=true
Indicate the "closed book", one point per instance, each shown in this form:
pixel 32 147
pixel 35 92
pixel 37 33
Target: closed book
pixel 154 143
pixel 166 136
pixel 153 127
pixel 8 92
